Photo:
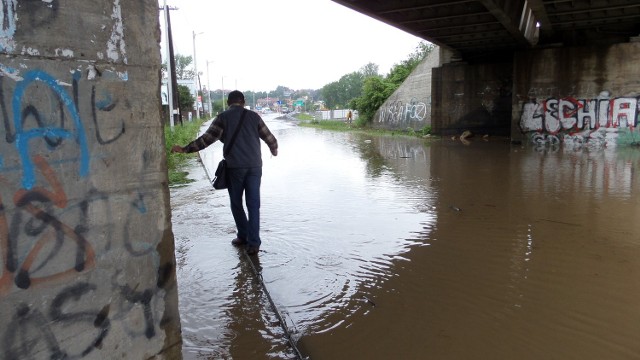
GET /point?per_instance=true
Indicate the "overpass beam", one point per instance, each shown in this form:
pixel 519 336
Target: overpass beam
pixel 516 17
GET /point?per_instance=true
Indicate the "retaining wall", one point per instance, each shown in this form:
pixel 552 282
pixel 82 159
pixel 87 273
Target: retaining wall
pixel 410 105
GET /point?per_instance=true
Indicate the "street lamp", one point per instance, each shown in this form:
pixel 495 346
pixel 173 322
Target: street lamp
pixel 195 77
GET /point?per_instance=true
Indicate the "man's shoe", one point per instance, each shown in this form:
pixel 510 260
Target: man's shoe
pixel 238 242
pixel 252 250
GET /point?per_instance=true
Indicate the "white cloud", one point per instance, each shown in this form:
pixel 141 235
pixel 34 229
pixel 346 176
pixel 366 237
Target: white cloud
pixel 260 44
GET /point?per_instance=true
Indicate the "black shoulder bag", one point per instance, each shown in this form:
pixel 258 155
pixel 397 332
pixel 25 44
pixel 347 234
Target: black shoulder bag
pixel 221 181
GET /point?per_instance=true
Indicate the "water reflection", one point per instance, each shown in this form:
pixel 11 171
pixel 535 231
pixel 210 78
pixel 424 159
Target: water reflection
pixel 604 173
pixel 390 247
pixel 341 219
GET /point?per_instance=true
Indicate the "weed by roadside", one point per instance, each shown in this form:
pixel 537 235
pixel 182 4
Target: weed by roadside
pixel 339 125
pixel 179 135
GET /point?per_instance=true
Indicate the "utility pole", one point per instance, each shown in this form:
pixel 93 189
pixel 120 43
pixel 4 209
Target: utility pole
pixel 209 91
pixel 196 76
pixel 170 68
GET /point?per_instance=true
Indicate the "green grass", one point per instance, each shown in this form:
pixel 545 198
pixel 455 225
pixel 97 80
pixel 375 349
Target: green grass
pixel 180 135
pixel 628 138
pixel 334 125
pixel 304 117
pixel 340 125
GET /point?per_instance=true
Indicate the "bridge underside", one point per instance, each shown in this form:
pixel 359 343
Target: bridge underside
pixel 479 30
pixel 547 71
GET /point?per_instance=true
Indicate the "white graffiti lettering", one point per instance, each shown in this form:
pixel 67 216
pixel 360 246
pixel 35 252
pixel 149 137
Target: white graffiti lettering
pixel 569 114
pixel 399 112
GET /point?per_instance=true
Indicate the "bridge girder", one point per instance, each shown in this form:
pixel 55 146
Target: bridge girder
pixel 478 30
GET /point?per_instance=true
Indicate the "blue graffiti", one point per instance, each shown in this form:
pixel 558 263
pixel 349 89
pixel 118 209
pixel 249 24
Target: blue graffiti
pixel 8 70
pixel 139 204
pixel 24 137
pixel 106 104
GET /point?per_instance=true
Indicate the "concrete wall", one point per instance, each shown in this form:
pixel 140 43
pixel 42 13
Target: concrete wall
pixel 472 97
pixel 86 248
pixel 577 96
pixel 451 98
pixel 410 105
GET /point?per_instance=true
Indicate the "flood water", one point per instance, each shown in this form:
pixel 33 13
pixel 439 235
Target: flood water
pixel 389 247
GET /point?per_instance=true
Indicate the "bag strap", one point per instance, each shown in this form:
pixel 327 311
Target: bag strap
pixel 235 134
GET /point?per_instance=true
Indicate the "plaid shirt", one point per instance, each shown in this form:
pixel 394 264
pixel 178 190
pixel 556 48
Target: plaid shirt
pixel 214 133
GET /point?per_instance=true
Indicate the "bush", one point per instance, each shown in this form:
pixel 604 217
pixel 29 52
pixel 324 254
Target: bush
pixel 425 131
pixel 375 91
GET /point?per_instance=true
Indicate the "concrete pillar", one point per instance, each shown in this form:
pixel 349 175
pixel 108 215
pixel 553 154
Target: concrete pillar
pixel 86 248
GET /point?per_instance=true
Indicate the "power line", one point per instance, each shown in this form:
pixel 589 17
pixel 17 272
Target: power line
pixel 281 319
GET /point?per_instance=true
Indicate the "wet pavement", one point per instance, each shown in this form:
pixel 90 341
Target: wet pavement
pixel 388 247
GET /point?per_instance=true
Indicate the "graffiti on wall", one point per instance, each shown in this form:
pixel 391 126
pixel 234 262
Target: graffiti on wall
pixel 573 121
pixel 79 267
pixel 55 224
pixel 399 112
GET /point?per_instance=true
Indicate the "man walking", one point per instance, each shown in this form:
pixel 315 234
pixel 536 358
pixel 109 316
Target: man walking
pixel 244 164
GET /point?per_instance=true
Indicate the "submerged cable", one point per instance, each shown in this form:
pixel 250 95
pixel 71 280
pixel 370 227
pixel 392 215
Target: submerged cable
pixel 283 324
pixel 258 274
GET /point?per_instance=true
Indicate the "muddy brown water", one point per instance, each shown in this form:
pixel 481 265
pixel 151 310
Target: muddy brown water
pixel 387 247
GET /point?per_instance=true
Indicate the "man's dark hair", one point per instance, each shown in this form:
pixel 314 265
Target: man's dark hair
pixel 235 97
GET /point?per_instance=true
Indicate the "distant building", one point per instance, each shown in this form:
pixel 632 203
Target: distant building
pixel 320 105
pixel 267 102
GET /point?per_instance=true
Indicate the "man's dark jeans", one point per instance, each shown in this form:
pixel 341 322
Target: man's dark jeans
pixel 247 181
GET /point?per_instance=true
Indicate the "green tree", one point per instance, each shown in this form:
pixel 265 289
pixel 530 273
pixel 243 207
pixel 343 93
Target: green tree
pixel 185 98
pixel 183 72
pixel 340 93
pixel 399 72
pixel 330 94
pixel 375 91
pixel 217 105
pixel 369 70
pixel 280 92
pixel 351 87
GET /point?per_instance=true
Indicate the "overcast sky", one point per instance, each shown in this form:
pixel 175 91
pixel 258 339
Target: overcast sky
pixel 261 44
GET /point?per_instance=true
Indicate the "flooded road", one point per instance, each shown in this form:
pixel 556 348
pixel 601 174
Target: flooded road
pixel 395 248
